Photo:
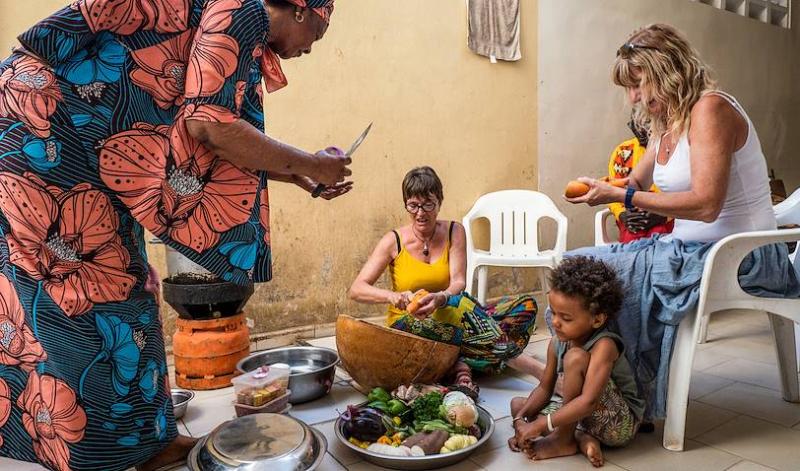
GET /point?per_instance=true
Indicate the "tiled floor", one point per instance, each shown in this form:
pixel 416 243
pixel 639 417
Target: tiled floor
pixel 737 419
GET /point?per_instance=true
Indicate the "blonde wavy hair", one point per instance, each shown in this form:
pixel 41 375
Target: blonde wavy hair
pixel 660 60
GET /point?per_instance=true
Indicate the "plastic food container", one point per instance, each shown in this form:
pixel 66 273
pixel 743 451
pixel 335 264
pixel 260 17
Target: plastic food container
pixel 278 405
pixel 261 386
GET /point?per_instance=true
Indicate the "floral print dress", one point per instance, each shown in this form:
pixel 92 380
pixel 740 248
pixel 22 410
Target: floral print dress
pixel 93 151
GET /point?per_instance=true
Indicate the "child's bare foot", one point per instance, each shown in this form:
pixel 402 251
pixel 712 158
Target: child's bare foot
pixel 590 447
pixel 551 446
pixel 176 452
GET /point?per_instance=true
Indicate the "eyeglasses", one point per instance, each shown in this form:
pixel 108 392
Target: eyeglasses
pixel 628 48
pixel 414 208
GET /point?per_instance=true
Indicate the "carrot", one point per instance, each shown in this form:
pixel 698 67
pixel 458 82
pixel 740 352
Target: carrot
pixel 575 188
pixel 414 304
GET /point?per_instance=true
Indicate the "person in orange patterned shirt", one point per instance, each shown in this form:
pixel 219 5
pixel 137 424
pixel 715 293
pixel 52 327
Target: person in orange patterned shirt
pixel 635 224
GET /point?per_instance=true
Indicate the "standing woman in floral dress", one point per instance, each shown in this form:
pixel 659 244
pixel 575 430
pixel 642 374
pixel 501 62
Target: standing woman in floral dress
pixel 118 116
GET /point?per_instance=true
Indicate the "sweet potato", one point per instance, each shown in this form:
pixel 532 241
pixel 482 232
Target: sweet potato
pixel 430 442
pixel 575 188
pixel 414 304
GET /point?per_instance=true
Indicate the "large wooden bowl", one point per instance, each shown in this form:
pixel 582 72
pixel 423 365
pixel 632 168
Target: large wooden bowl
pixel 375 356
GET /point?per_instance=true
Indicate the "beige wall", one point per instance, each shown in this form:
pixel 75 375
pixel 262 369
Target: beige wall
pixel 582 115
pixel 406 67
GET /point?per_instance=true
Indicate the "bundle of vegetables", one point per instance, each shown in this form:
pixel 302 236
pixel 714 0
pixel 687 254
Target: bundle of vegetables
pixel 427 407
pixel 434 422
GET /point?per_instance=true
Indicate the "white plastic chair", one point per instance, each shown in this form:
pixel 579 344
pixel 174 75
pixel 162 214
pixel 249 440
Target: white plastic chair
pixel 786 212
pixel 720 290
pixel 514 235
pixel 601 235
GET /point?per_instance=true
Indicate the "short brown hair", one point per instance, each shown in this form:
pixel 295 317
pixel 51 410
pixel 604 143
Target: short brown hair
pixel 422 182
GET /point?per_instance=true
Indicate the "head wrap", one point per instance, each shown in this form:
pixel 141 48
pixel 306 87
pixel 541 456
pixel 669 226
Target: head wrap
pixel 274 78
pixel 323 8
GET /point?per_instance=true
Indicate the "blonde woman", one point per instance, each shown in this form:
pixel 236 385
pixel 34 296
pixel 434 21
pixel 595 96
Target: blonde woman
pixel 705 156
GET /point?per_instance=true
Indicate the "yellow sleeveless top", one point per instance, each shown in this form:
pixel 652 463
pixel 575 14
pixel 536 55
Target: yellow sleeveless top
pixel 411 274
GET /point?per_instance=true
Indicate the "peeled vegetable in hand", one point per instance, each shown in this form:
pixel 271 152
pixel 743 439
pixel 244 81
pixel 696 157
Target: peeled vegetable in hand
pixel 458 442
pixel 414 304
pixel 575 188
pixel 363 423
pixel 459 409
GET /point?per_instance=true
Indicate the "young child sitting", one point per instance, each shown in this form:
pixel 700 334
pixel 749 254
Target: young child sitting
pixel 600 403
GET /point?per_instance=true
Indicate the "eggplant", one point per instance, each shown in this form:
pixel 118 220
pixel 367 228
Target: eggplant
pixel 363 423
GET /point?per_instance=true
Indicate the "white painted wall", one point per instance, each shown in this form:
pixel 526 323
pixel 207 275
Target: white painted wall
pixel 582 115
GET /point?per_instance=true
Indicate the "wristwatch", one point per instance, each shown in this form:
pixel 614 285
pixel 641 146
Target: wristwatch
pixel 629 198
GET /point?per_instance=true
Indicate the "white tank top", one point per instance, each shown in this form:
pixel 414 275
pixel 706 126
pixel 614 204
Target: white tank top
pixel 747 205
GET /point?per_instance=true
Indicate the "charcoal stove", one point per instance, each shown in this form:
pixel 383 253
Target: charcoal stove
pixel 201 297
pixel 197 294
pixel 211 332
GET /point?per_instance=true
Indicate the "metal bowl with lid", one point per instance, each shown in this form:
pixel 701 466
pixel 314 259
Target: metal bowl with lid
pixel 259 442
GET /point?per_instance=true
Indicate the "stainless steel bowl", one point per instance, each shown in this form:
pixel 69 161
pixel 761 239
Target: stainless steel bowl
pixel 312 369
pixel 180 401
pixel 259 442
pixel 485 422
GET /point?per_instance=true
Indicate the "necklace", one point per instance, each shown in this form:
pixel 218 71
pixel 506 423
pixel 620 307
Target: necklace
pixel 667 145
pixel 425 249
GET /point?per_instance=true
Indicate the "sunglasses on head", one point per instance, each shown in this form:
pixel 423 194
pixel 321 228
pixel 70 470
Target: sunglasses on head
pixel 628 48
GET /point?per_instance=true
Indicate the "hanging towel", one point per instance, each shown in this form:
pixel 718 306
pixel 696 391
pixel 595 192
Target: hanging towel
pixel 494 28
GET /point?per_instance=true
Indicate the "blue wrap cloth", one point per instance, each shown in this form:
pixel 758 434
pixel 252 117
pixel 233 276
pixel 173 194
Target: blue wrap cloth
pixel 661 280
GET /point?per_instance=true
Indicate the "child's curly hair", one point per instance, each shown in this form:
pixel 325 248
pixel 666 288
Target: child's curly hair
pixel 591 280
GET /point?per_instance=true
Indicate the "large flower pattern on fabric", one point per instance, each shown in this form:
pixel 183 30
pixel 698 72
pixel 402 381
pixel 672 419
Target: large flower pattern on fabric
pixel 214 55
pixel 5 406
pixel 126 17
pixel 263 214
pixel 52 417
pixel 67 240
pixel 162 69
pixel 174 185
pixel 18 346
pixel 29 93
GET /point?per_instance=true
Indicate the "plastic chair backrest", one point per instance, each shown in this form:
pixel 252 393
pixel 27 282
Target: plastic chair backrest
pixel 514 221
pixel 788 210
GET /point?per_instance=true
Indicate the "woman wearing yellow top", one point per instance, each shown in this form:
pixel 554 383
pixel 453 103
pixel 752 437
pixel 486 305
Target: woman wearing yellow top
pixel 430 254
